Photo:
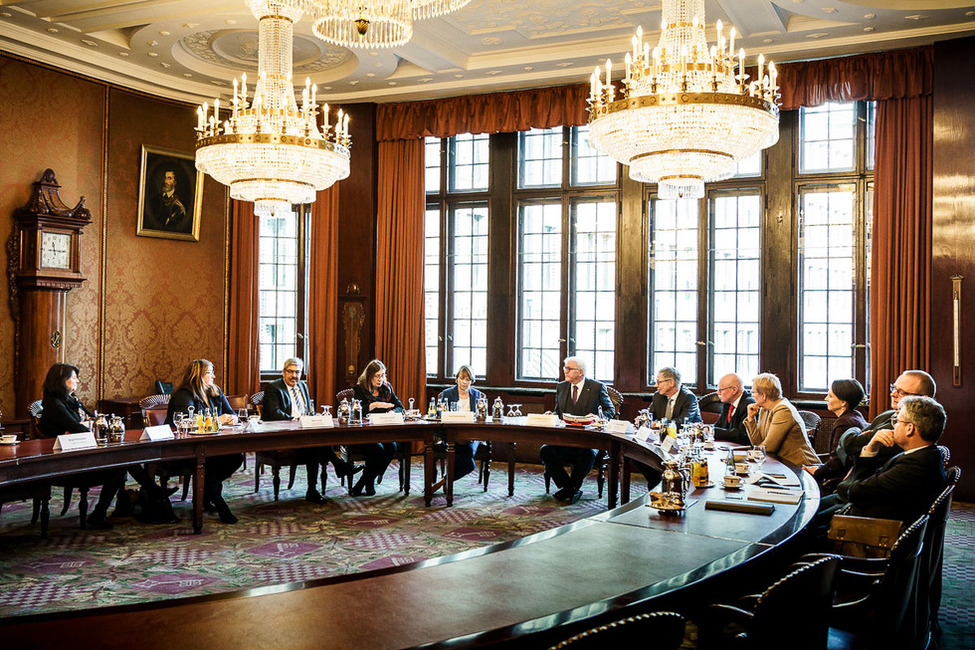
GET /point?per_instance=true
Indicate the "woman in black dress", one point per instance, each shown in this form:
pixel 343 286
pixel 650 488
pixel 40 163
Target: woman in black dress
pixel 198 390
pixel 64 413
pixel 377 396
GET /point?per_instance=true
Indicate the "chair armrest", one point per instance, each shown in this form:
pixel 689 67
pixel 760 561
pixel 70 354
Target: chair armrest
pixel 730 613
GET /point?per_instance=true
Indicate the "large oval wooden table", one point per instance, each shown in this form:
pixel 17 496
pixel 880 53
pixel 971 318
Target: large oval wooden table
pixel 526 593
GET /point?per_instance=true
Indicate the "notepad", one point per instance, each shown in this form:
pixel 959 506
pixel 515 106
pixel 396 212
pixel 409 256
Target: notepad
pixel 748 508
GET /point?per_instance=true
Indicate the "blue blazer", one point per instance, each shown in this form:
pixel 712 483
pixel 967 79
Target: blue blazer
pixel 452 394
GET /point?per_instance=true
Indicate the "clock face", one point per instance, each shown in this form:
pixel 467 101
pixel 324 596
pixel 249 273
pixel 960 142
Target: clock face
pixel 55 250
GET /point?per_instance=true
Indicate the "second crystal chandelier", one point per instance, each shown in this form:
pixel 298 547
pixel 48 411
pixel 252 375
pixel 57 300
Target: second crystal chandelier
pixel 372 23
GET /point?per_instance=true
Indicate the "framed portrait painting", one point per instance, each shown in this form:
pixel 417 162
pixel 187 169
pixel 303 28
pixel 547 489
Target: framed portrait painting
pixel 170 195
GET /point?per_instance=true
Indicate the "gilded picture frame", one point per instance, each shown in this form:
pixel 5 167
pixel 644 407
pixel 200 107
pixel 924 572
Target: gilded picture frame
pixel 170 195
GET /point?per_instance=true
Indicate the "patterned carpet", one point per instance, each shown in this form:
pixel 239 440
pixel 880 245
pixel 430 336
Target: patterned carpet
pixel 274 542
pixel 292 540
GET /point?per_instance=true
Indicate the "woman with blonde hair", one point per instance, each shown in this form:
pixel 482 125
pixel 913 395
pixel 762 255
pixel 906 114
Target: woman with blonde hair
pixel 774 422
pixel 198 390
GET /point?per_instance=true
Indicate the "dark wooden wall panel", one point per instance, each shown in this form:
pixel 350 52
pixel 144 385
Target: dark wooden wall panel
pixel 953 244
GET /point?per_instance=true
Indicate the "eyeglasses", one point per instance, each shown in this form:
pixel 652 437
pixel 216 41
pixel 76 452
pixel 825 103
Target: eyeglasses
pixel 291 371
pixel 894 390
pixel 900 421
pixel 721 390
pixel 663 381
pixel 567 368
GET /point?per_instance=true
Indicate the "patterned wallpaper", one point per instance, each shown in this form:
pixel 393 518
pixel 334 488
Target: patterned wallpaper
pixel 60 126
pixel 163 300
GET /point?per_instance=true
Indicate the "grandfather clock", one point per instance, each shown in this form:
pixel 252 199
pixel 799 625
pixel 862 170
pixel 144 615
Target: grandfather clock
pixel 43 265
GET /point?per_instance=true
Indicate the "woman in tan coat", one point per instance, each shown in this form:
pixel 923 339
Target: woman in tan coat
pixel 774 422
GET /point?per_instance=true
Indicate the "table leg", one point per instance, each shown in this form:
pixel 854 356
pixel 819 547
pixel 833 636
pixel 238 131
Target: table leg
pixel 198 496
pixel 625 492
pixel 511 468
pixel 429 466
pixel 614 474
pixel 407 463
pixel 448 487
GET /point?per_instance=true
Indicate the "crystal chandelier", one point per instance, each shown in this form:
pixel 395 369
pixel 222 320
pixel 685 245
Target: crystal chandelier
pixel 371 23
pixel 269 151
pixel 688 112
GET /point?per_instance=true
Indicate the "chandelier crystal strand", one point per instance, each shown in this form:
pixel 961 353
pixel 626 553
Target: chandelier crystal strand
pixel 373 23
pixel 271 151
pixel 688 112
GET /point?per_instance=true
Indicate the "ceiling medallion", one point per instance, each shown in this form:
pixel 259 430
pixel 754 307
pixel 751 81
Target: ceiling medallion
pixel 688 113
pixel 270 151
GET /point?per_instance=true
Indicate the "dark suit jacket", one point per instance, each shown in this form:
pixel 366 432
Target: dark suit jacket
pixel 277 400
pixel 452 394
pixel 903 489
pixel 183 398
pixel 735 431
pixel 852 442
pixel 386 394
pixel 60 415
pixel 592 395
pixel 686 409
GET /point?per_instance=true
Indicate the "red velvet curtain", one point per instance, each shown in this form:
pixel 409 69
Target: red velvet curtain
pixel 323 296
pixel 243 372
pixel 399 267
pixel 900 269
pixel 539 108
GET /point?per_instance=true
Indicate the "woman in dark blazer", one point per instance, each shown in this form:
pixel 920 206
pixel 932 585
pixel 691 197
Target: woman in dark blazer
pixel 377 396
pixel 64 413
pixel 198 390
pixel 466 399
pixel 844 396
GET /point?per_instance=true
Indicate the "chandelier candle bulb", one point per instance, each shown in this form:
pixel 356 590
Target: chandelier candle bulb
pixel 685 117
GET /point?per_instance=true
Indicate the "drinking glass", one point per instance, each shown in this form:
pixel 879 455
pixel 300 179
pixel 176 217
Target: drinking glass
pixel 517 408
pixel 242 416
pixel 511 411
pixel 311 407
pixel 758 453
pixel 177 421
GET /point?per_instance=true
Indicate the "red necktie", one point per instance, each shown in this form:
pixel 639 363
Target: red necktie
pixel 731 409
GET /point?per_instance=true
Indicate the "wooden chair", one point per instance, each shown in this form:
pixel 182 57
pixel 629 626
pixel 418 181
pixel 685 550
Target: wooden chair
pixel 769 618
pixel 934 543
pixel 403 456
pixel 710 406
pixel 238 402
pixel 664 630
pixel 156 403
pixel 877 599
pixel 275 459
pixel 811 421
pixel 35 410
pixel 602 456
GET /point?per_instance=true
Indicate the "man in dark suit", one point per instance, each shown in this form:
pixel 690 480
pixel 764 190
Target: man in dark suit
pixel 574 396
pixel 906 485
pixel 672 400
pixel 734 409
pixel 286 399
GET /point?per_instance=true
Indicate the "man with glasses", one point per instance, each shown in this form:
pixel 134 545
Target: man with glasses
pixel 905 486
pixel 734 409
pixel 286 399
pixel 672 400
pixel 574 396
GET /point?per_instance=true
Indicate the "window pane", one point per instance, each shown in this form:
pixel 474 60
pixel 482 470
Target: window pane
pixel 735 280
pixel 539 271
pixel 278 289
pixel 826 284
pixel 827 137
pixel 467 263
pixel 593 314
pixel 673 276
pixel 540 157
pixel 589 166
pixel 432 164
pixel 431 290
pixel 467 165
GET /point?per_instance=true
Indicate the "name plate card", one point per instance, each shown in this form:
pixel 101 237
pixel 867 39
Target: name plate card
pixel 542 420
pixel 463 417
pixel 617 426
pixel 75 441
pixel 158 432
pixel 668 443
pixel 392 417
pixel 643 434
pixel 316 422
